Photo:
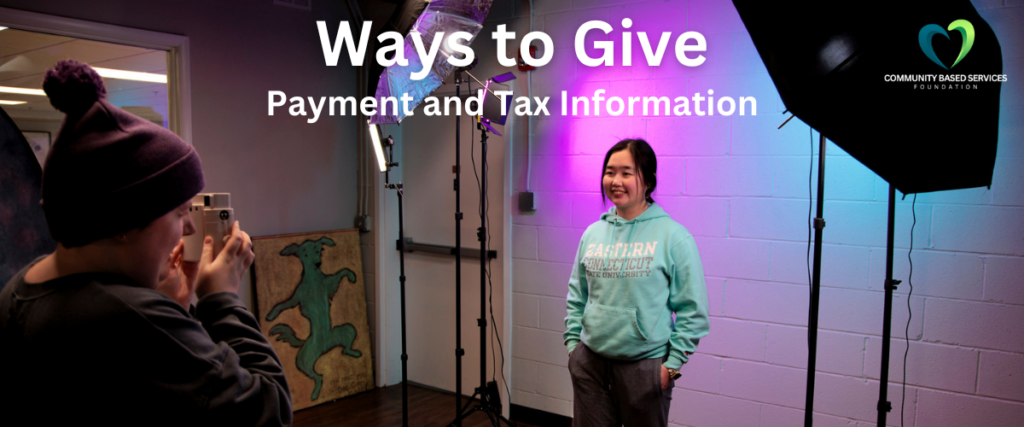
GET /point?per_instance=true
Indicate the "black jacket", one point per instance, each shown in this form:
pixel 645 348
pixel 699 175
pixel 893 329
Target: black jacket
pixel 97 348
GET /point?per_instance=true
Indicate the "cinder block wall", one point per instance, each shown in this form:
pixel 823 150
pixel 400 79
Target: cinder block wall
pixel 741 187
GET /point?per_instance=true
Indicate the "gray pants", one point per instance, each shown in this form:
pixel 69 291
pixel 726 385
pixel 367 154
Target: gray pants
pixel 611 393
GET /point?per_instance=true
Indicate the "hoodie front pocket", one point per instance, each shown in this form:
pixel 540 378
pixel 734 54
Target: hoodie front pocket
pixel 613 331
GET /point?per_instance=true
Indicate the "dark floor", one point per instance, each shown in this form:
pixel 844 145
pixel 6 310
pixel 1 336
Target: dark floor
pixel 382 407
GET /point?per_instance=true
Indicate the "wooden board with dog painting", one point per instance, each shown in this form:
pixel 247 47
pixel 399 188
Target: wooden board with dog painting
pixel 312 307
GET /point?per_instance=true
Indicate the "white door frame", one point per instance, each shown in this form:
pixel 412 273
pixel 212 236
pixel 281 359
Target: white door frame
pixel 179 91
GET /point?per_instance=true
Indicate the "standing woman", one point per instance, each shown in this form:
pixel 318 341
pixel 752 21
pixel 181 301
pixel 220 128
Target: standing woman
pixel 635 268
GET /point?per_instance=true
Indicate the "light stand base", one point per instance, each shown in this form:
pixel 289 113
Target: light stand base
pixel 490 403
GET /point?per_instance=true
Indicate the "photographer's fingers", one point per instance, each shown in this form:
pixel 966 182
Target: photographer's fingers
pixel 191 271
pixel 246 245
pixel 246 251
pixel 207 256
pixel 174 257
pixel 176 253
pixel 249 258
pixel 232 245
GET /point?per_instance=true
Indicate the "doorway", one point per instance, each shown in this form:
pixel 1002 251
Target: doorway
pixel 135 79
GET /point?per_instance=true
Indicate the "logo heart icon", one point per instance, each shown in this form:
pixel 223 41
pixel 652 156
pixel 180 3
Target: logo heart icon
pixel 924 38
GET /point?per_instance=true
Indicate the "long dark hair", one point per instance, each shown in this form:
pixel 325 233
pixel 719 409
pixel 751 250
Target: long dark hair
pixel 644 161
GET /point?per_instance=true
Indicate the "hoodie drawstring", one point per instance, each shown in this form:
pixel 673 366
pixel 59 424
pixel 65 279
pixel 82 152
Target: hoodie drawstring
pixel 632 229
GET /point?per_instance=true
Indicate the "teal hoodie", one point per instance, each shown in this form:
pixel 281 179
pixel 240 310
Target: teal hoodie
pixel 628 279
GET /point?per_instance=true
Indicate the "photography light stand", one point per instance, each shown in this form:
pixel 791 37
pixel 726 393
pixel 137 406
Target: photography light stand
pixel 459 352
pixel 884 406
pixel 379 145
pixel 829 74
pixel 490 400
pixel 812 321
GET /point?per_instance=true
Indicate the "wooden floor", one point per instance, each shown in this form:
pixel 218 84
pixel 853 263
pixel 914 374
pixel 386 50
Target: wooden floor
pixel 382 407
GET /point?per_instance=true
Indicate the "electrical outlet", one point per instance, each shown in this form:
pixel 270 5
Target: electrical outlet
pixel 363 223
pixel 526 202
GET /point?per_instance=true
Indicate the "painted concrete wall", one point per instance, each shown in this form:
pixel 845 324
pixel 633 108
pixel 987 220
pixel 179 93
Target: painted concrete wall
pixel 741 187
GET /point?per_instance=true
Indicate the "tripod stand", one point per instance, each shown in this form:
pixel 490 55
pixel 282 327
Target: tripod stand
pixel 490 401
pixel 884 406
pixel 389 144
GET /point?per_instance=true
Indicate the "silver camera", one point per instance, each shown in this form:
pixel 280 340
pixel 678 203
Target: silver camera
pixel 212 216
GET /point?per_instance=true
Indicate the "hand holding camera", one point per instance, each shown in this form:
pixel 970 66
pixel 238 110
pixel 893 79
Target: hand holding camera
pixel 212 216
pixel 178 278
pixel 223 272
pixel 216 256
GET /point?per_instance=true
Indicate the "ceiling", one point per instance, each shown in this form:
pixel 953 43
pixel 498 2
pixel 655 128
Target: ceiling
pixel 25 56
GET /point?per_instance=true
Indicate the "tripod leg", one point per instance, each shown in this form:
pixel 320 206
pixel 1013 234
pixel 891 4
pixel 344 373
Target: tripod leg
pixel 465 411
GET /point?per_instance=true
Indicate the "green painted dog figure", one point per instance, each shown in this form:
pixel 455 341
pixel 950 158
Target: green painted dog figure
pixel 313 296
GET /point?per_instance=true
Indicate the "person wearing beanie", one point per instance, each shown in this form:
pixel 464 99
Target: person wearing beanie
pixel 102 330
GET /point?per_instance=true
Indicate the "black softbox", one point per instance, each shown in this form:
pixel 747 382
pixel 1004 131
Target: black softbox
pixel 23 231
pixel 903 87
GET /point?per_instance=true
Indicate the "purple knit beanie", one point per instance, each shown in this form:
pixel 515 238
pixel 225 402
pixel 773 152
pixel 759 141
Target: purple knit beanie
pixel 108 170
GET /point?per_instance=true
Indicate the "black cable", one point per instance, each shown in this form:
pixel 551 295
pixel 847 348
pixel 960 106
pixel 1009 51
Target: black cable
pixel 910 314
pixel 480 211
pixel 810 206
pixel 484 209
pixel 490 284
pixel 494 324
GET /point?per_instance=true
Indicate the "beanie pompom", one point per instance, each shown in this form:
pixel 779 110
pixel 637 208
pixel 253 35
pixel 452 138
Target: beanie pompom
pixel 73 87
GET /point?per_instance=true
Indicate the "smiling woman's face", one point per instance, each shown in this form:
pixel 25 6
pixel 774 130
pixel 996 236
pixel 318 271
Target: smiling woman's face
pixel 622 184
